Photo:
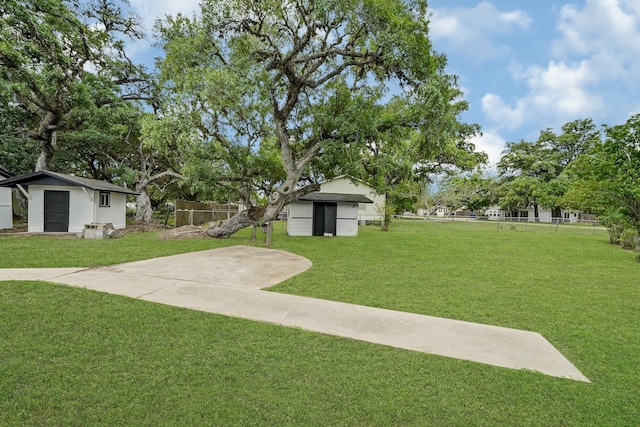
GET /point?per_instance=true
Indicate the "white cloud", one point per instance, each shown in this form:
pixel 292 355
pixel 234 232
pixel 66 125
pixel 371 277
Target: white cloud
pixel 470 30
pixel 500 112
pixel 597 65
pixel 633 5
pixel 517 18
pixel 151 10
pixel 491 143
pixel 603 25
pixel 558 90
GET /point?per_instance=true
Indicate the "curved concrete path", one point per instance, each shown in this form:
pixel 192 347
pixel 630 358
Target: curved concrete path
pixel 229 280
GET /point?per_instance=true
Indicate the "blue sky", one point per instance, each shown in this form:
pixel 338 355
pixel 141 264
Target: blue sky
pixel 524 65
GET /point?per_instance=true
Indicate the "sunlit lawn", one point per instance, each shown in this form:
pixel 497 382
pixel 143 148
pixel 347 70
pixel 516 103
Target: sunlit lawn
pixel 75 357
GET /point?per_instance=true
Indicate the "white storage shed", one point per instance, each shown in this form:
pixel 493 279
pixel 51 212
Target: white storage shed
pixel 66 203
pixel 370 211
pixel 6 206
pixel 325 214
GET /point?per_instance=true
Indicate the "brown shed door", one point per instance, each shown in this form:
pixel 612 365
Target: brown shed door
pixel 56 211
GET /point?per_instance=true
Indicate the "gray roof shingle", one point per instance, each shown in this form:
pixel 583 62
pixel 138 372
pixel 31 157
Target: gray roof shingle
pixel 55 178
pixel 4 173
pixel 335 197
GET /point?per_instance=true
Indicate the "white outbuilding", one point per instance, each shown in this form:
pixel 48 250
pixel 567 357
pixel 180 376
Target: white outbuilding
pixel 6 206
pixel 369 211
pixel 336 210
pixel 66 203
pixel 325 214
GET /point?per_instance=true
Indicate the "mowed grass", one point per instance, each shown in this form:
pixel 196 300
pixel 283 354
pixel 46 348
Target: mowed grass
pixel 75 357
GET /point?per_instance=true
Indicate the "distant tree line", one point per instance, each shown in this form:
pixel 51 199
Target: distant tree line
pixel 251 101
pixel 582 168
pixel 262 101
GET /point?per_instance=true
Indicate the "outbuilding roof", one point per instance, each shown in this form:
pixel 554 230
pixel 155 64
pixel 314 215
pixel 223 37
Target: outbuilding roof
pixel 55 178
pixel 317 196
pixel 4 173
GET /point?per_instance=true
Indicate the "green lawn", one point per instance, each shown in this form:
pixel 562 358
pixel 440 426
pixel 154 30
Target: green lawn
pixel 74 357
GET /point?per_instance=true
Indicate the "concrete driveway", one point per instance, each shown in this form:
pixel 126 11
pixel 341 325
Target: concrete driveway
pixel 229 280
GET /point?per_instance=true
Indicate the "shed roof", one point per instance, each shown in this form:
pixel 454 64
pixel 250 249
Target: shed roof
pixel 4 173
pixel 55 178
pixel 356 181
pixel 317 196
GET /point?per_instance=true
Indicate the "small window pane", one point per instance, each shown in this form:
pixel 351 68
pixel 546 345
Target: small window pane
pixel 105 199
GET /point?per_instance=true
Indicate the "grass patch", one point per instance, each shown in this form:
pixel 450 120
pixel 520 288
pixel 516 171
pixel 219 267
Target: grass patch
pixel 48 251
pixel 76 357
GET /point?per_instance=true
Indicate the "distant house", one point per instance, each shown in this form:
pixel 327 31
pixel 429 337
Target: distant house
pixel 6 206
pixel 346 185
pixel 66 203
pixel 335 210
pixel 442 211
pixel 528 215
pixel 575 216
pixel 495 213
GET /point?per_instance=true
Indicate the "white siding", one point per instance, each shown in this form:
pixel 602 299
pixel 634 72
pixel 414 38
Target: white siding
pixel 36 209
pixel 494 213
pixel 347 219
pixel 83 208
pixel 442 211
pixel 347 211
pixel 80 207
pixel 300 219
pixel 543 215
pixel 366 211
pixel 116 213
pixel 571 216
pixel 6 208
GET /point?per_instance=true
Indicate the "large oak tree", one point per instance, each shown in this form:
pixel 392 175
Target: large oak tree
pixel 532 172
pixel 60 61
pixel 606 180
pixel 282 74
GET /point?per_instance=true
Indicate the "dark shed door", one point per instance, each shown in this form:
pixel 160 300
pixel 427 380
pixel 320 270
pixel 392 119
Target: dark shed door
pixel 324 218
pixel 56 211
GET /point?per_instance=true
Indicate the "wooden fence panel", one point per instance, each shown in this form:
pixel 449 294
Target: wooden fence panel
pixel 197 213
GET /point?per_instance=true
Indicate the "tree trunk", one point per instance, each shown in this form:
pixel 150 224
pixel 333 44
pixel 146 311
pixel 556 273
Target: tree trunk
pixel 236 223
pixel 386 222
pixel 256 215
pixel 536 213
pixel 386 215
pixel 22 203
pixel 144 210
pixel 47 150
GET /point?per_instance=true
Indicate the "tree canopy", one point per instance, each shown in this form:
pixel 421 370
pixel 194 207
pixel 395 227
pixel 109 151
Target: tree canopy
pixel 61 61
pixel 532 172
pixel 606 181
pixel 284 94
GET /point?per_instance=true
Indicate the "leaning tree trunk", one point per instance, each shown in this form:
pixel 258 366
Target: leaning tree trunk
pixel 236 223
pixel 144 210
pixel 288 191
pixel 260 214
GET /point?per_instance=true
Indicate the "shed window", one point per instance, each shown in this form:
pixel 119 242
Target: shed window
pixel 105 199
